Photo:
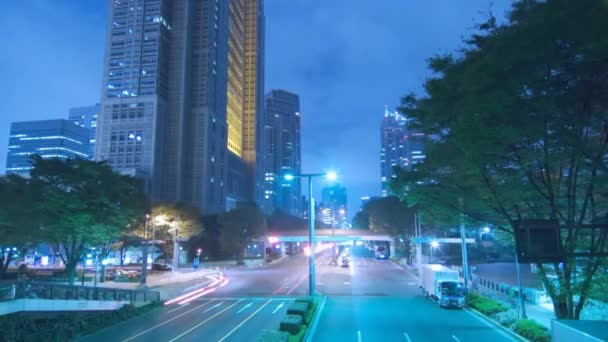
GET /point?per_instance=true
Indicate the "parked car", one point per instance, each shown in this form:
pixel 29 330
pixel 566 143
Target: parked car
pixel 161 267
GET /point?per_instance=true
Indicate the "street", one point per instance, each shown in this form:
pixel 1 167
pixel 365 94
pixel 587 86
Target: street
pixel 372 300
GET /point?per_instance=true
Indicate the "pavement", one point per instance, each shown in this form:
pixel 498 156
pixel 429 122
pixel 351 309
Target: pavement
pixel 372 300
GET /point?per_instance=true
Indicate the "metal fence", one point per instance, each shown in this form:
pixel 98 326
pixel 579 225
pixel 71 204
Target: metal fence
pixel 43 290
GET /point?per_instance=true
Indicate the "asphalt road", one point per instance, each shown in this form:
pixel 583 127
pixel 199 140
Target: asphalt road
pixel 213 319
pixel 372 300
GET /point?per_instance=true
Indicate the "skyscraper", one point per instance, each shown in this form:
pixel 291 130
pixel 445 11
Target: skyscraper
pixel 400 146
pixel 86 117
pixel 244 95
pixel 46 138
pixel 163 109
pixel 281 153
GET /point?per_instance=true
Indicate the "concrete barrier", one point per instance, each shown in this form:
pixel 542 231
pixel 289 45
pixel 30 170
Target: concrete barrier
pixel 42 305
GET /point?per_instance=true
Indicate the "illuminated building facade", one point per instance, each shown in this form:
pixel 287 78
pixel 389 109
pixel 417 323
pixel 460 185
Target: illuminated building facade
pixel 163 109
pixel 86 116
pixel 47 138
pixel 400 146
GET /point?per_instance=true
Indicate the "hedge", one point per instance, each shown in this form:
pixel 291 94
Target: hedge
pixel 485 305
pixel 63 326
pixel 291 324
pixel 532 330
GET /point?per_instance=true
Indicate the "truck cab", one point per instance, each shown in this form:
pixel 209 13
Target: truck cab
pixel 450 294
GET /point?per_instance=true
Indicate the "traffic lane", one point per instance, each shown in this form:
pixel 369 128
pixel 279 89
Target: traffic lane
pixel 264 281
pixel 247 317
pixel 399 319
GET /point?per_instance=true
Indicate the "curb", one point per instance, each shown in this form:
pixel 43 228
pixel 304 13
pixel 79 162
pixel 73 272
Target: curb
pixel 313 327
pixel 496 324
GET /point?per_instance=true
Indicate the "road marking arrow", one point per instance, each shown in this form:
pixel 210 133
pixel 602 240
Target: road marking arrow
pixel 278 307
pixel 245 307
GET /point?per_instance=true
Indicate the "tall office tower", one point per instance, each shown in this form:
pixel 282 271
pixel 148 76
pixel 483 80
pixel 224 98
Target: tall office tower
pixel 401 146
pixel 46 138
pixel 334 202
pixel 281 153
pixel 163 109
pixel 86 117
pixel 244 93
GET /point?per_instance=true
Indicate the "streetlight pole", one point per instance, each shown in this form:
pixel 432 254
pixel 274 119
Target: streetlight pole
pixel 311 228
pixel 176 245
pixel 311 223
pixel 522 301
pixel 463 239
pixel 144 262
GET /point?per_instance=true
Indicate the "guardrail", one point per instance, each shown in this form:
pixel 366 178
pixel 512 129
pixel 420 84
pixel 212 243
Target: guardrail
pixel 42 290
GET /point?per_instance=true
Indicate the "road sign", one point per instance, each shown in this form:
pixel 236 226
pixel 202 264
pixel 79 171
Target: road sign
pixel 196 262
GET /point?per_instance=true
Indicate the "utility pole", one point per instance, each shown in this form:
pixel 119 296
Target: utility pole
pixel 176 245
pixel 522 302
pixel 463 238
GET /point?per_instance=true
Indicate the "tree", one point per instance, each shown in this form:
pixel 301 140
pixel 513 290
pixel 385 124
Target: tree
pixel 519 127
pixel 168 218
pixel 85 204
pixel 16 228
pixel 281 221
pixel 239 227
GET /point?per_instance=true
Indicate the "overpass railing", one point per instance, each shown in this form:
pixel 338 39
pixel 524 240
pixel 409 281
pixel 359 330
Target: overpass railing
pixel 42 290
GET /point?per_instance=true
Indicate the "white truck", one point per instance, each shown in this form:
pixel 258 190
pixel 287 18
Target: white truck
pixel 443 285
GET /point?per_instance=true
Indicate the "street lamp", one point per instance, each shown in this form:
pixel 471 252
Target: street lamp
pixel 434 244
pixel 331 176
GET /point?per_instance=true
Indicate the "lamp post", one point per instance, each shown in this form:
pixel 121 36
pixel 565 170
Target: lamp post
pixel 144 262
pixel 311 221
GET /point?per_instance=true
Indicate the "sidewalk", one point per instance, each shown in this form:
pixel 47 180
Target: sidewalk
pixel 169 284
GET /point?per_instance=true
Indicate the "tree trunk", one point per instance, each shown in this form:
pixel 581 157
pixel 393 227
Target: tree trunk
pixel 5 261
pixel 70 269
pixel 102 275
pixel 560 308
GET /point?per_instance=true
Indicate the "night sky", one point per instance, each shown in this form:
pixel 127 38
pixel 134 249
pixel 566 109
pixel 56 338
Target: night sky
pixel 345 58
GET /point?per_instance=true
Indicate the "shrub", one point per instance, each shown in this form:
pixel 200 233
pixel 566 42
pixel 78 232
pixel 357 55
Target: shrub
pixel 506 318
pixel 291 324
pixel 485 305
pixel 299 308
pixel 274 336
pixel 532 330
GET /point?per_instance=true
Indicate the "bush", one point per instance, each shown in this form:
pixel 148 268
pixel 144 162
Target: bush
pixel 532 330
pixel 291 324
pixel 299 308
pixel 506 318
pixel 63 326
pixel 274 336
pixel 299 336
pixel 485 305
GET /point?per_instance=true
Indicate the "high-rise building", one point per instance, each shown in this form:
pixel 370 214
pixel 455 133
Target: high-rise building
pixel 367 199
pixel 46 138
pixel 86 117
pixel 163 108
pixel 245 92
pixel 400 146
pixel 281 153
pixel 334 205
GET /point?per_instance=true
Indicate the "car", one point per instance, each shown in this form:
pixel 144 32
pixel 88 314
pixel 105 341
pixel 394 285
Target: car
pixel 161 267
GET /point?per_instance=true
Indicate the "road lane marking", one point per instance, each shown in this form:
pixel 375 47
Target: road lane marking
pixel 167 321
pixel 359 335
pixel 278 307
pixel 244 307
pixel 285 284
pixel 411 283
pixel 178 308
pixel 203 322
pixel 318 283
pixel 347 283
pixel 197 285
pixel 243 322
pixel 213 307
pixel 455 338
pixel 407 337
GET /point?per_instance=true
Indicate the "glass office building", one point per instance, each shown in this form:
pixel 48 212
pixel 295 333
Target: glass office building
pixel 86 116
pixel 46 138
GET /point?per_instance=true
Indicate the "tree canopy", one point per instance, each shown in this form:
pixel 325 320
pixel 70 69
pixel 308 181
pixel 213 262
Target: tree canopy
pixel 518 128
pixel 239 226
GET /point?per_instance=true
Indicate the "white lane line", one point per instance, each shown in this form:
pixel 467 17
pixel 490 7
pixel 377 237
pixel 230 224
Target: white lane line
pixel 243 322
pixel 359 335
pixel 411 283
pixel 178 308
pixel 407 337
pixel 213 307
pixel 318 283
pixel 278 307
pixel 203 322
pixel 245 307
pixel 167 321
pixel 455 338
pixel 347 283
